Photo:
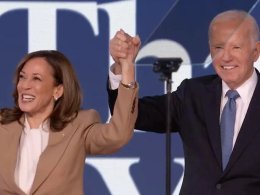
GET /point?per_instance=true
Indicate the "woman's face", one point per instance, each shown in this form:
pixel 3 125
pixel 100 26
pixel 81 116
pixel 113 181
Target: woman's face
pixel 36 88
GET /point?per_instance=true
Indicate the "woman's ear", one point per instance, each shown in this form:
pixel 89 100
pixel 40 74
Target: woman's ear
pixel 58 92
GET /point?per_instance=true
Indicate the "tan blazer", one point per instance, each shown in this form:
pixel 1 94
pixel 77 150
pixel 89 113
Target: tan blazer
pixel 61 165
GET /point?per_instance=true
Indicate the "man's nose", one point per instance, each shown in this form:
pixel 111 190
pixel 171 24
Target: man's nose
pixel 227 54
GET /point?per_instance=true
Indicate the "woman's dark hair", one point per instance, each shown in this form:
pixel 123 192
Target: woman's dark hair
pixel 67 106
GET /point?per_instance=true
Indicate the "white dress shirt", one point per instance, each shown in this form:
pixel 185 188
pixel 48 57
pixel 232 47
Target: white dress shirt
pixel 245 91
pixel 32 143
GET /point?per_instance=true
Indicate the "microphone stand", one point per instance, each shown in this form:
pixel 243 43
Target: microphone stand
pixel 166 66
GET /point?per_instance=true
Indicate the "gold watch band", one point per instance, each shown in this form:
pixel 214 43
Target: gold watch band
pixel 130 85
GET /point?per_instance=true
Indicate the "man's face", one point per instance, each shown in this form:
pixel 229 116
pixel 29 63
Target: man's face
pixel 233 51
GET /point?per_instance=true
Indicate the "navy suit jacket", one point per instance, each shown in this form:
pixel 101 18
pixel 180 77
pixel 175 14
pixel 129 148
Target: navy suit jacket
pixel 195 112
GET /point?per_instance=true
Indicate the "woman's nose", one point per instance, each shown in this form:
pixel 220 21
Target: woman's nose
pixel 25 83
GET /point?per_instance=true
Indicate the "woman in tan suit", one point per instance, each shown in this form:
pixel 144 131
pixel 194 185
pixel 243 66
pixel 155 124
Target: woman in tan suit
pixel 45 138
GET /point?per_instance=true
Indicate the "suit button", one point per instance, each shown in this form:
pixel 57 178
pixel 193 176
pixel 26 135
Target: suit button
pixel 218 186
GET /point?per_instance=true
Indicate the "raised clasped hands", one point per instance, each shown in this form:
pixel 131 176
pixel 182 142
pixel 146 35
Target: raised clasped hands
pixel 124 48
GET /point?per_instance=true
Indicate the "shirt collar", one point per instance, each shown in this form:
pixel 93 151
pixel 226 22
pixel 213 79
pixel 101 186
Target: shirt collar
pixel 44 126
pixel 246 89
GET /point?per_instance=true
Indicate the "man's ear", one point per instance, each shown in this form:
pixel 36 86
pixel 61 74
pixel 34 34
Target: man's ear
pixel 257 51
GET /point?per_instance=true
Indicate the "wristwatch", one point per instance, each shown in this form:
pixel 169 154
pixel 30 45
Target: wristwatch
pixel 130 85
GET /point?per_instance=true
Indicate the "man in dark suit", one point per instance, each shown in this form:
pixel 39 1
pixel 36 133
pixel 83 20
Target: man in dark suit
pixel 198 104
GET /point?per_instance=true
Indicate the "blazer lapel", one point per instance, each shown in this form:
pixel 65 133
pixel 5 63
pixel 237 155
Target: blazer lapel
pixel 10 146
pixel 51 156
pixel 249 128
pixel 211 104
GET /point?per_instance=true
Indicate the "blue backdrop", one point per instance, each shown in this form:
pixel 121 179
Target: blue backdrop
pixel 82 30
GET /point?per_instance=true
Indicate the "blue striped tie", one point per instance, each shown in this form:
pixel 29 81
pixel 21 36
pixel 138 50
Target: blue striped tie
pixel 227 123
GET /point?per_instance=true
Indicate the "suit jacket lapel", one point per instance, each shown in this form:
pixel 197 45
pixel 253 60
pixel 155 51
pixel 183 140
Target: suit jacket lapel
pixel 211 104
pixel 48 160
pixel 249 127
pixel 51 156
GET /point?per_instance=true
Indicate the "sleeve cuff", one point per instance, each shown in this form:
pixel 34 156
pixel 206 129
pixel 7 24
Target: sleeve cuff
pixel 114 80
